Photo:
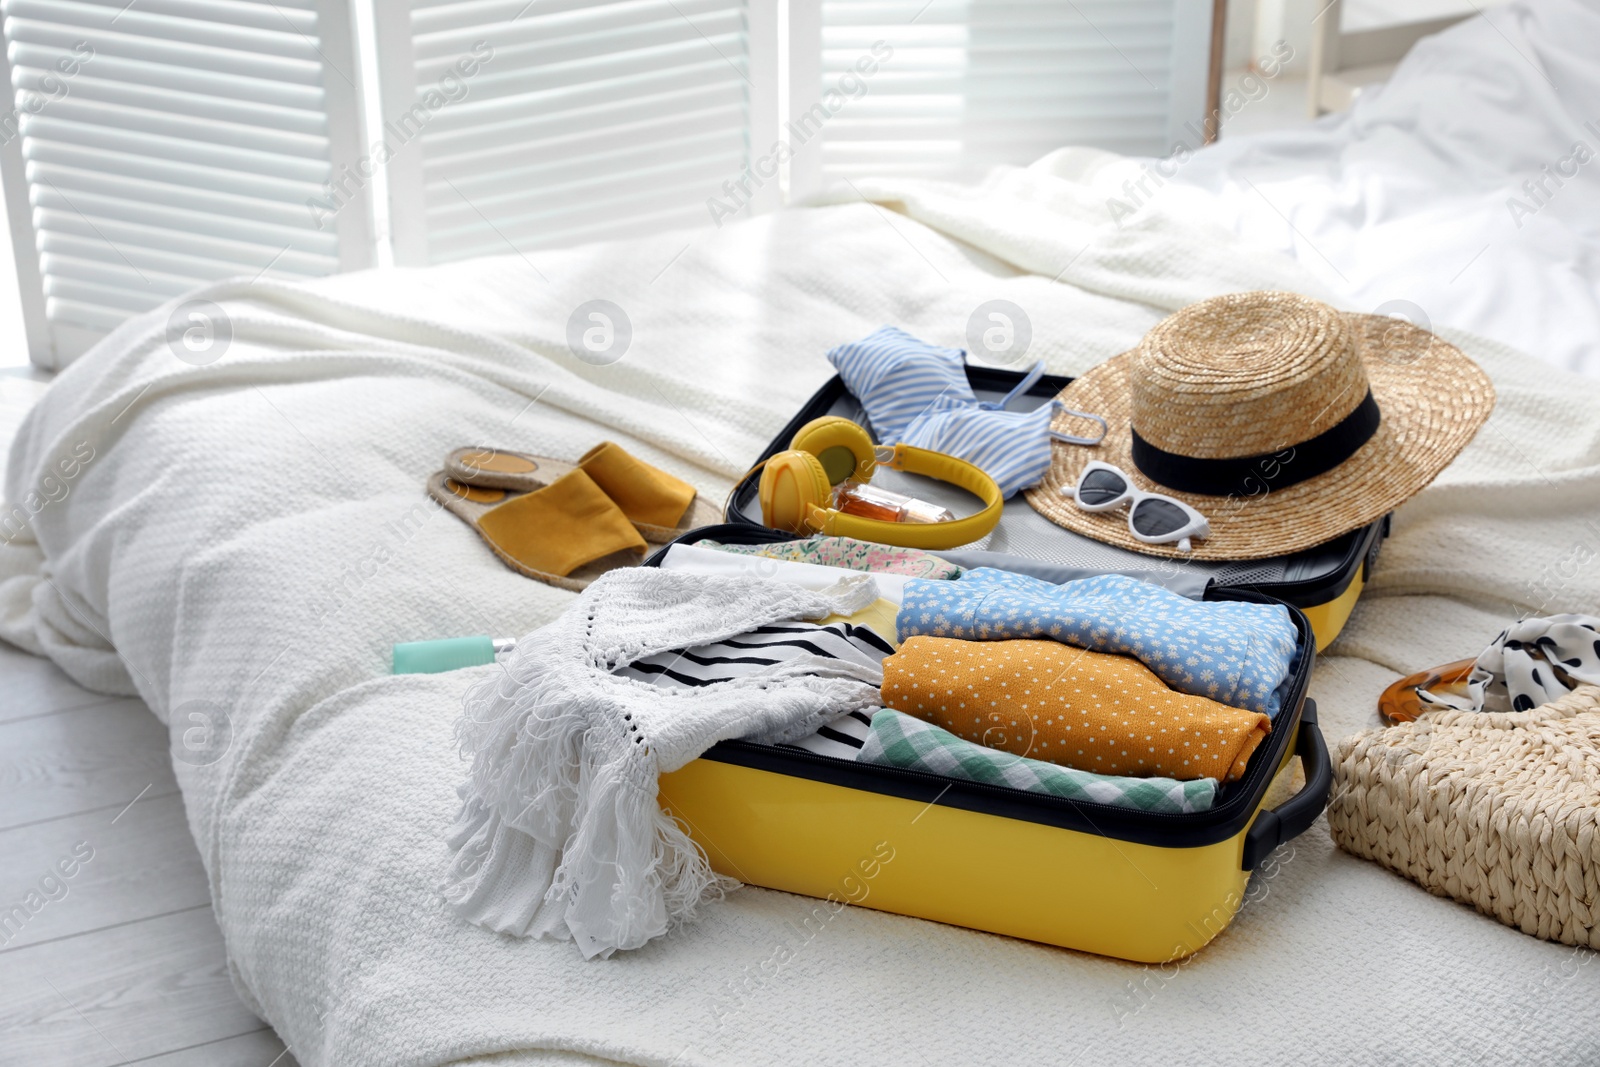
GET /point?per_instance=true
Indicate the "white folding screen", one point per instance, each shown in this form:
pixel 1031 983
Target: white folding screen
pixel 516 125
pixel 162 144
pixel 950 88
pixel 157 146
pixel 602 118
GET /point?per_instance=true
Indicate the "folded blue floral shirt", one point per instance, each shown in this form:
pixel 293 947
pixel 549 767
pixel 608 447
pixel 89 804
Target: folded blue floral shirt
pixel 1234 653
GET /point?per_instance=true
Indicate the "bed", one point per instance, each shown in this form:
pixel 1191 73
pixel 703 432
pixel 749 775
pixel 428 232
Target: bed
pixel 1420 200
pixel 242 540
pixel 1462 192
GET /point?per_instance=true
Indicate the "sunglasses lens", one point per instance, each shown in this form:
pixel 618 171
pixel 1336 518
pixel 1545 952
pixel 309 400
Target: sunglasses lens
pixel 1101 486
pixel 1157 518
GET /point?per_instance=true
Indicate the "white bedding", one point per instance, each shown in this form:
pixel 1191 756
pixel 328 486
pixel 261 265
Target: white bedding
pixel 253 535
pixel 1414 199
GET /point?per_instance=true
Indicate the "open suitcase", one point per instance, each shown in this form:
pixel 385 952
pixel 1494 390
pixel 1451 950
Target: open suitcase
pixel 1131 884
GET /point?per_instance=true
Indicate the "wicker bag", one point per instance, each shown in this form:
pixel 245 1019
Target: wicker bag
pixel 1500 811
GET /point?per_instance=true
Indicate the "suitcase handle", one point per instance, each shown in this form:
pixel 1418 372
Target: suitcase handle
pixel 1294 816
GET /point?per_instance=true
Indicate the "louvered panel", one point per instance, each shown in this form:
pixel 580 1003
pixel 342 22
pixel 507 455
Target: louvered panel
pixel 181 221
pixel 123 276
pixel 172 171
pixel 142 27
pixel 85 320
pixel 902 89
pixel 599 147
pixel 46 128
pixel 590 118
pixel 142 122
pixel 180 105
pixel 554 196
pixel 125 240
pixel 69 285
pixel 167 144
pixel 295 13
pixel 432 20
pixel 205 202
pixel 202 84
pixel 186 264
pixel 168 53
pixel 700 61
pixel 598 34
pixel 481 12
pixel 975 83
pixel 496 124
pixel 292 15
pixel 719 150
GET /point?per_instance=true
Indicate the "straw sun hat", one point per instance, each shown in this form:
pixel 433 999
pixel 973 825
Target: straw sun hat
pixel 1283 421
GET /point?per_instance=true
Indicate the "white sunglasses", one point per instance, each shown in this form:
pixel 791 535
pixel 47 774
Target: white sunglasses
pixel 1154 518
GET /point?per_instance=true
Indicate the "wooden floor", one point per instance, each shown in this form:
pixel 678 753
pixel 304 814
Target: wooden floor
pixel 120 962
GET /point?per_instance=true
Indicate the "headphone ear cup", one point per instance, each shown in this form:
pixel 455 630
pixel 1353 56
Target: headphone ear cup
pixel 843 447
pixel 792 483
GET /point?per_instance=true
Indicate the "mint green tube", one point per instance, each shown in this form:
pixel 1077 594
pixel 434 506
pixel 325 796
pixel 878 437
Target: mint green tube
pixel 452 653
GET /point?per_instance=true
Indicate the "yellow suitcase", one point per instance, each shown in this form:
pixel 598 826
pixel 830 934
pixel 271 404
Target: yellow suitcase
pixel 1136 885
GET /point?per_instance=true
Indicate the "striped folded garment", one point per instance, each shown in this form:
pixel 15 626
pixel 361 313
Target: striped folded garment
pixel 899 740
pixel 767 646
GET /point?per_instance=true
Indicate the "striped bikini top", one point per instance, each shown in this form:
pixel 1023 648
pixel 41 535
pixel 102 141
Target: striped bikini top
pixel 702 665
pixel 917 394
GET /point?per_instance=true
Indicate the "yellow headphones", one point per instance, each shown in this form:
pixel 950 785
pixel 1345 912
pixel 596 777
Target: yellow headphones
pixel 796 489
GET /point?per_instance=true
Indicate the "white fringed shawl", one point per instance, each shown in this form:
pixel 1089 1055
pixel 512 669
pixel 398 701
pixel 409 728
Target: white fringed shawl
pixel 560 833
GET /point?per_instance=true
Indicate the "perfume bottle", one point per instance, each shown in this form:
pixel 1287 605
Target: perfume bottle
pixel 875 502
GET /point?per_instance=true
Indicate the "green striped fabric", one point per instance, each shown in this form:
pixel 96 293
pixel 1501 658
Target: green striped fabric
pixel 899 740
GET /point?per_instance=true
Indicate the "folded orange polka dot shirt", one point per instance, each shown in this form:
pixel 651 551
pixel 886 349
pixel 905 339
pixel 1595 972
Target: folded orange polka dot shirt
pixel 1089 710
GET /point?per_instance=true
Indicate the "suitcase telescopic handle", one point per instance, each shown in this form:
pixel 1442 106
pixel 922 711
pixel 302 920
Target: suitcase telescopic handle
pixel 1294 816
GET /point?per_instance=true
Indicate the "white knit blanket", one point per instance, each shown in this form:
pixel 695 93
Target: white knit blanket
pixel 253 534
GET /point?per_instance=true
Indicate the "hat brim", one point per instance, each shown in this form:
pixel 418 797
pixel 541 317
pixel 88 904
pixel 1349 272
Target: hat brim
pixel 1433 400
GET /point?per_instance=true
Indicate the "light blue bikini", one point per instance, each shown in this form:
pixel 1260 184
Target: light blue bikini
pixel 917 394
